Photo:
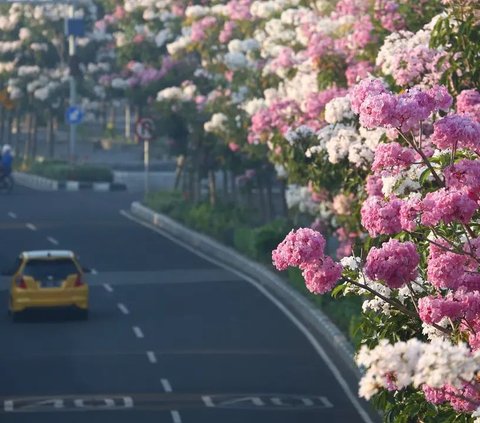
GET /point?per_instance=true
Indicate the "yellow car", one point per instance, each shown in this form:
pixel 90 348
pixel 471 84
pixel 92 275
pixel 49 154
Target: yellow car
pixel 46 279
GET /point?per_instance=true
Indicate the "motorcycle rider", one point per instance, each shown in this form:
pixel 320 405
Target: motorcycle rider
pixel 6 161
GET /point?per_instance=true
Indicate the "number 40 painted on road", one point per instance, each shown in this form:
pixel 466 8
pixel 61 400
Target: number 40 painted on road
pixel 64 404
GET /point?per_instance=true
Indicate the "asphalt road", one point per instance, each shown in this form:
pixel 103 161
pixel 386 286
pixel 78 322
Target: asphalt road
pixel 171 337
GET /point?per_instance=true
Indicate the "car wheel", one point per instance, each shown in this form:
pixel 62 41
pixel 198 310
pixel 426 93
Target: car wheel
pixel 82 314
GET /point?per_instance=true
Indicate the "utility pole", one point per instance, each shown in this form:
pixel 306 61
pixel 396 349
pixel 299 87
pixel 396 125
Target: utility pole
pixel 73 84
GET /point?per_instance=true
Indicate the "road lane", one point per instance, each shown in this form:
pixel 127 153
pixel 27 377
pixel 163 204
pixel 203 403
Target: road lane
pixel 204 330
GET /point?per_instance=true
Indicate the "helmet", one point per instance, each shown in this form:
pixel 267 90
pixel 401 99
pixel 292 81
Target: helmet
pixel 6 149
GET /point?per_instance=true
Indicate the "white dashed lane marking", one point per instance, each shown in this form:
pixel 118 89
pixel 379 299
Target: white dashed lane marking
pixel 176 416
pixel 31 226
pixel 93 272
pixel 138 332
pixel 12 215
pixel 208 401
pixel 123 308
pixel 52 240
pixel 166 385
pixel 151 357
pixel 108 287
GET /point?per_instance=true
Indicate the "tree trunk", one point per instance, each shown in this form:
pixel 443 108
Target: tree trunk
pixel 283 199
pixel 34 136
pixel 17 130
pixel 51 135
pixel 28 142
pixel 2 124
pixel 212 188
pixel 270 204
pixel 179 171
pixel 233 187
pixel 225 183
pixel 128 122
pixel 9 127
pixel 261 198
pixel 137 116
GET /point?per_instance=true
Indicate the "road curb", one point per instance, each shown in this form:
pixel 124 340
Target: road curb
pixel 41 183
pixel 272 282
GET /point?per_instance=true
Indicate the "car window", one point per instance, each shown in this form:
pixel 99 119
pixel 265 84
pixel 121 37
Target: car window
pixel 50 269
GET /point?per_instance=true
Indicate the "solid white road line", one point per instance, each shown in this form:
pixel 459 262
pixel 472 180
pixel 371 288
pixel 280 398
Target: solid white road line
pixel 151 357
pixel 31 226
pixel 301 327
pixel 138 332
pixel 123 308
pixel 166 385
pixel 12 215
pixel 176 416
pixel 108 287
pixel 52 240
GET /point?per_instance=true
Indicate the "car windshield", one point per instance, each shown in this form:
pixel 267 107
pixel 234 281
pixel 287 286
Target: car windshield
pixel 50 269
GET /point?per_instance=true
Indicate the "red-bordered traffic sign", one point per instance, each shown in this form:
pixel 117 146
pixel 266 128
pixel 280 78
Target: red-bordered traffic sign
pixel 145 129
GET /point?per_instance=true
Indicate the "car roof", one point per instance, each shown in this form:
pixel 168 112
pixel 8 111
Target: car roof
pixel 47 254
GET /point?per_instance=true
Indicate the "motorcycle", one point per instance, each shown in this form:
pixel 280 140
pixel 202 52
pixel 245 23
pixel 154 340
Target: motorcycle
pixel 6 184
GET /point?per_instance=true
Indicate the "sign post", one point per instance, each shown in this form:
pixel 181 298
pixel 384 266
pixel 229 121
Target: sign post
pixel 145 129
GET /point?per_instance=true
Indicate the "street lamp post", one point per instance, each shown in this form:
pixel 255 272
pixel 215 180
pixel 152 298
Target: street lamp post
pixel 73 85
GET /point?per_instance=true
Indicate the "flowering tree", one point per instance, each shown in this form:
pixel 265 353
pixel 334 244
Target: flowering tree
pixel 418 269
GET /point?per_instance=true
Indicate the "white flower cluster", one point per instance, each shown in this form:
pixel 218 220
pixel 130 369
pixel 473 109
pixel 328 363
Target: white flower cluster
pixel 265 9
pixel 293 136
pixel 342 141
pixel 240 54
pixel 301 198
pixel 404 182
pixel 183 93
pixel 338 110
pixel 435 364
pixel 216 124
pixel 254 105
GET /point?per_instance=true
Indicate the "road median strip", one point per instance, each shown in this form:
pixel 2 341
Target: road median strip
pixel 40 183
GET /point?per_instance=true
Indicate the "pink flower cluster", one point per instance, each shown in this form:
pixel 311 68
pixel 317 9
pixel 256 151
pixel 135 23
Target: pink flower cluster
pixel 456 131
pixel 239 10
pixel 463 399
pixel 395 263
pixel 357 71
pixel 381 217
pixel 316 102
pixel 386 11
pixel 464 176
pixel 461 305
pixel 447 206
pixel 379 108
pixel 409 213
pixel 299 248
pixel 200 27
pixel 305 249
pixel 278 116
pixel 468 102
pixel 392 156
pixel 226 33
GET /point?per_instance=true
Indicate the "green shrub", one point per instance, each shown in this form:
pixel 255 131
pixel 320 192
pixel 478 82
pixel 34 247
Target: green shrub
pixel 63 171
pixel 267 237
pixel 168 202
pixel 243 240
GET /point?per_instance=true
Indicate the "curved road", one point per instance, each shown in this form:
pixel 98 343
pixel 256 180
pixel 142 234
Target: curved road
pixel 171 337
